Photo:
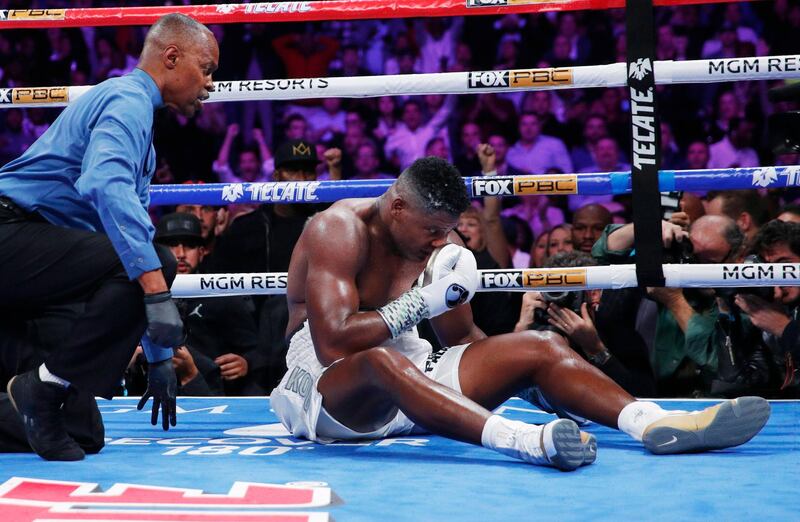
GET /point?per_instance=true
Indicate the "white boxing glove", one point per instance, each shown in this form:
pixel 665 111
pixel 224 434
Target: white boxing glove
pixel 450 279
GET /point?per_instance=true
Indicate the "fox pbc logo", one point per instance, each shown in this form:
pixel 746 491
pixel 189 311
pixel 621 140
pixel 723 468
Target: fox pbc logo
pixel 34 95
pixel 508 279
pixel 524 185
pixel 520 78
pixel 23 499
pixel 32 14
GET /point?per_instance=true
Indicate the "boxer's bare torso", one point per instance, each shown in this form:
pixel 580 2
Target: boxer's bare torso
pixel 380 269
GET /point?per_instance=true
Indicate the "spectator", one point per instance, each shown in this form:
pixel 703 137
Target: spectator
pixel 387 118
pixel 213 221
pixel 778 242
pixel 724 45
pixel 520 241
pixel 350 63
pixel 535 153
pixel 263 240
pixel 735 149
pixel 222 337
pixel 438 37
pixel 727 109
pixel 583 319
pixel 493 114
pixel 697 155
pixel 541 104
pixel 307 54
pixel 539 250
pixel 746 208
pixel 606 153
pixel 255 165
pixel 790 214
pixel 671 156
pixel 559 239
pixel 588 224
pixel 367 161
pixel 466 161
pixel 408 141
pixel 437 147
pixel 296 127
pixel 583 156
pixel 684 358
pixel 328 121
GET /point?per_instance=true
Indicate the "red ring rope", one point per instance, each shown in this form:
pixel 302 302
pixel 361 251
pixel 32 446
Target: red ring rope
pixel 301 11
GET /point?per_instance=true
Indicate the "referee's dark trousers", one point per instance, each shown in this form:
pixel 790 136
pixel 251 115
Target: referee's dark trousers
pixel 44 265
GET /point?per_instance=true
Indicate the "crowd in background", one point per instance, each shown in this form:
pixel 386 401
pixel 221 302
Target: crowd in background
pixel 659 342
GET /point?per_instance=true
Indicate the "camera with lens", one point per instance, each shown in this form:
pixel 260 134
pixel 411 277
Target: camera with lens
pixel 569 300
pixel 680 252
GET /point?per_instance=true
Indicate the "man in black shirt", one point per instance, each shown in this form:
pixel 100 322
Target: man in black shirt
pixel 263 241
pixel 222 337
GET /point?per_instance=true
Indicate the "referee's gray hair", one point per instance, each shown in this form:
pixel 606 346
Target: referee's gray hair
pixel 176 28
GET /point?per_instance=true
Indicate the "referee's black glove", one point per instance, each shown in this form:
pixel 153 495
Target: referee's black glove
pixel 164 324
pixel 161 386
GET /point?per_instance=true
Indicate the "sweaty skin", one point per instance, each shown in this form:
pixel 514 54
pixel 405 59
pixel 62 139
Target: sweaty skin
pixel 360 254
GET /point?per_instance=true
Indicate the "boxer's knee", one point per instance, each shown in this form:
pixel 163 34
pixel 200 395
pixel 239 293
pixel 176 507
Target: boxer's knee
pixel 169 265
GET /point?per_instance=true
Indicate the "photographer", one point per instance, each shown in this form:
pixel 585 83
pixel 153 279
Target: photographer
pixel 583 318
pixel 775 320
pixel 684 359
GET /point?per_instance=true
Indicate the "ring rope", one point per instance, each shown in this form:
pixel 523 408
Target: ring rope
pixel 667 72
pixel 612 277
pixel 311 11
pixel 589 184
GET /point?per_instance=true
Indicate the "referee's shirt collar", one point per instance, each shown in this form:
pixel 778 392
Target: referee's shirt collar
pixel 150 85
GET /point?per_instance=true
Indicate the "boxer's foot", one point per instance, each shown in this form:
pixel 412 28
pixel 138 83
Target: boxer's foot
pixel 723 425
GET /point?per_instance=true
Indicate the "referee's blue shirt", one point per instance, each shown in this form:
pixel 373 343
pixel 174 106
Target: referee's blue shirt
pixel 91 169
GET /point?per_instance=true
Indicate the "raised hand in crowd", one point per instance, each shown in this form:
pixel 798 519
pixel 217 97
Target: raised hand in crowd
pixel 496 242
pixel 333 160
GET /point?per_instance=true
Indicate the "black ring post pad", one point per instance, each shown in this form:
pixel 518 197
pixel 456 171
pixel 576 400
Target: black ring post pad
pixel 646 143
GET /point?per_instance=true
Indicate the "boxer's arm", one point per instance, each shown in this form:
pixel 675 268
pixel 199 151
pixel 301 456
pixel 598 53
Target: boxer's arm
pixel 457 326
pixel 336 247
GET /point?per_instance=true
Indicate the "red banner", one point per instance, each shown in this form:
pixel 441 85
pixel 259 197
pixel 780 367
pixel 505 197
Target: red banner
pixel 309 11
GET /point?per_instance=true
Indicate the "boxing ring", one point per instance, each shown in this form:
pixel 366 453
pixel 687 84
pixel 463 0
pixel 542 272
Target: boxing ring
pixel 229 459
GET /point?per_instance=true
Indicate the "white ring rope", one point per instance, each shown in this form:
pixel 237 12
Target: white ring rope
pixel 522 280
pixel 612 75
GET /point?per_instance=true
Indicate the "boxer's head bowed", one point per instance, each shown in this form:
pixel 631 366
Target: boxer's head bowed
pixel 181 54
pixel 423 206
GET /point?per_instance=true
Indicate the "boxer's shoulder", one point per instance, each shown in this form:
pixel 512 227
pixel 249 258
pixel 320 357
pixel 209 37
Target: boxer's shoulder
pixel 341 228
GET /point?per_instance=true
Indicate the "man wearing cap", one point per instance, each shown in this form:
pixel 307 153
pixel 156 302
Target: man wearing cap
pixel 263 240
pixel 222 337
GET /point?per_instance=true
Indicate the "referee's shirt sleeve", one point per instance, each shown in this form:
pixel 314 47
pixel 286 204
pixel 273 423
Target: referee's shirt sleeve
pixel 112 171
